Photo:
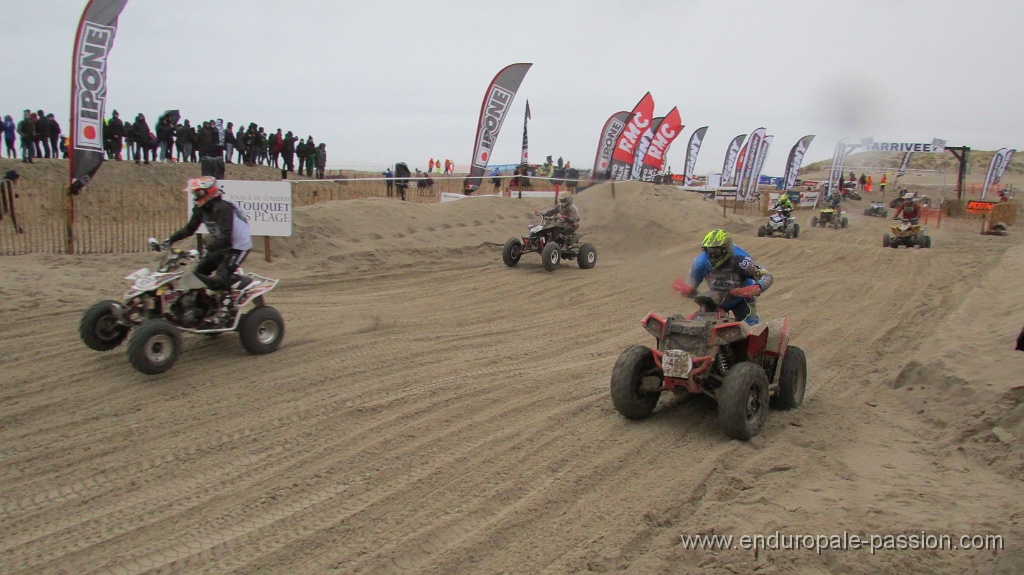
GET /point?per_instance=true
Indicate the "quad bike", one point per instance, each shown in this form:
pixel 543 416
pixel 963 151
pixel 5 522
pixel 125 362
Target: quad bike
pixel 744 368
pixel 547 239
pixel 828 217
pixel 906 233
pixel 877 210
pixel 162 303
pixel 778 224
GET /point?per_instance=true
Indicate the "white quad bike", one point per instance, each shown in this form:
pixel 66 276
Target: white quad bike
pixel 779 223
pixel 162 303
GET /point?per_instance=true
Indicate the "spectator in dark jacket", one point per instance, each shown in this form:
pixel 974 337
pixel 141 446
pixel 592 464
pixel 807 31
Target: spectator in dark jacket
pixel 288 151
pixel 42 135
pixel 140 129
pixel 55 131
pixel 27 133
pixel 115 129
pixel 229 142
pixel 165 137
pixel 10 133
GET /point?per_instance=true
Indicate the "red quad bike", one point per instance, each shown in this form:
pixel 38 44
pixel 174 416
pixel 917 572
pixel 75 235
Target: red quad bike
pixel 160 304
pixel 546 238
pixel 742 367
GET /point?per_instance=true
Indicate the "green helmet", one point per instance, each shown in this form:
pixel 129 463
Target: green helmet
pixel 717 245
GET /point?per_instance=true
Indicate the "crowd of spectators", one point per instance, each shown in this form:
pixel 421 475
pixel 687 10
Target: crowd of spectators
pixel 171 140
pixel 39 134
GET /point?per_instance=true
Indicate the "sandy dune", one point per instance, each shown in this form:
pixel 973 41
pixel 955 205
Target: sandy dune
pixel 433 411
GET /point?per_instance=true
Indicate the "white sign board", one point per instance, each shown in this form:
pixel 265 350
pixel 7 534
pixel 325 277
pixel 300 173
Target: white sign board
pixel 807 199
pixel 450 197
pixel 268 205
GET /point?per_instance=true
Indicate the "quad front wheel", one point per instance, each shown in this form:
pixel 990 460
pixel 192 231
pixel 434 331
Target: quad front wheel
pixel 634 366
pixel 743 401
pixel 154 347
pixel 885 240
pixel 261 330
pixel 99 328
pixel 551 256
pixel 587 257
pixel 844 222
pixel 512 251
pixel 796 230
pixel 761 231
pixel 814 221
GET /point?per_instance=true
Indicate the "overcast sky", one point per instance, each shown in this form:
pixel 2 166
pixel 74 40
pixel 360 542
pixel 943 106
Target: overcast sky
pixel 384 81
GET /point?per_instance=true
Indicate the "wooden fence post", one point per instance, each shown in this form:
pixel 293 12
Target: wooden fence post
pixel 266 248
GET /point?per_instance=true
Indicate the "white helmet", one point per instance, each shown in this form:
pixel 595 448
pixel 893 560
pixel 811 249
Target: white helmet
pixel 565 200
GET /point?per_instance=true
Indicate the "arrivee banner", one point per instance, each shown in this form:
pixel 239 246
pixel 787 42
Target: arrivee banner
pixel 268 205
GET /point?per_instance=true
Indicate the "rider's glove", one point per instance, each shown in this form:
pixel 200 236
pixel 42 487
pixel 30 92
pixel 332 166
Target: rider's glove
pixel 681 286
pixel 748 292
pixel 166 244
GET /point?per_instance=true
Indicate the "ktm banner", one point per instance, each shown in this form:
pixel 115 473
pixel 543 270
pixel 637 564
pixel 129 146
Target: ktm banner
pixel 493 111
pixel 606 145
pixel 664 134
pixel 639 120
pixel 92 46
pixel 796 157
pixel 692 149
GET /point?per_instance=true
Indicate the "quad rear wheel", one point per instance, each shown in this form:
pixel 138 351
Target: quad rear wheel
pixel 261 330
pixel 792 380
pixel 99 328
pixel 587 257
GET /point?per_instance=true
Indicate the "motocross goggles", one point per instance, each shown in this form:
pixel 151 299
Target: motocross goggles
pixel 716 254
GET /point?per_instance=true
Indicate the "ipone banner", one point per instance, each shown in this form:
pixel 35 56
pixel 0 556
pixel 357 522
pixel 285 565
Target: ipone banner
pixel 493 112
pixel 93 43
pixel 268 205
pixel 609 135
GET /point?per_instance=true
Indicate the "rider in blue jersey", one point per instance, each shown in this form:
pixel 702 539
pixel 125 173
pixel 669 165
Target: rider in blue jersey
pixel 730 272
